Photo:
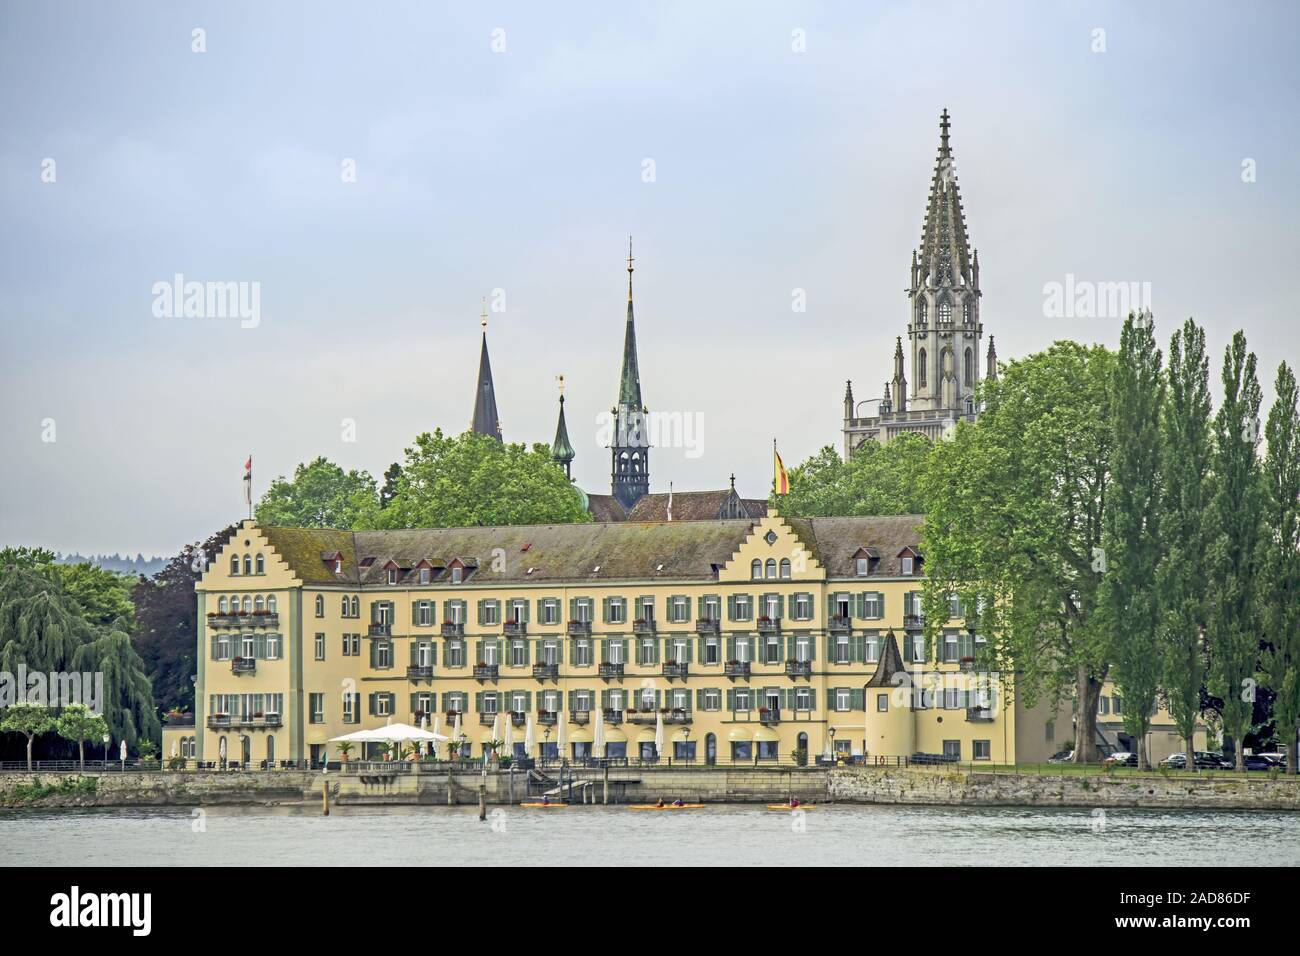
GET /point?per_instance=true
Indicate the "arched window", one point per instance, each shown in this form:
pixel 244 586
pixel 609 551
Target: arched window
pixel 248 604
pixel 945 313
pixel 270 604
pixel 920 369
pixel 356 607
pixel 261 564
pixel 234 564
pixel 248 564
pixel 970 367
pixel 785 568
pixel 345 605
pixel 221 604
pixel 756 569
pixel 259 604
pixel 965 311
pixel 922 312
pixel 770 568
pixel 320 605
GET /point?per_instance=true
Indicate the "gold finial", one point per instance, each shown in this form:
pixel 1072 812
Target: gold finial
pixel 560 378
pixel 483 318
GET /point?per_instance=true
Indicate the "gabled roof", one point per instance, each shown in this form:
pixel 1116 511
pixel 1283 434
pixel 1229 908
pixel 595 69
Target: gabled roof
pixel 891 663
pixel 605 508
pixel 835 541
pixel 693 506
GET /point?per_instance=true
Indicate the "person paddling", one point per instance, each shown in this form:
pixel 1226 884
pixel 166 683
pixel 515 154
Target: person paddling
pixel 678 802
pixel 659 803
pixel 794 802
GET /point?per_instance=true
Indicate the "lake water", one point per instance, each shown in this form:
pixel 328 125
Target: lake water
pixel 737 835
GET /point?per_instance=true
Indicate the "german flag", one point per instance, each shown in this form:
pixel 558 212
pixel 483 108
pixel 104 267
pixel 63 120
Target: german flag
pixel 780 480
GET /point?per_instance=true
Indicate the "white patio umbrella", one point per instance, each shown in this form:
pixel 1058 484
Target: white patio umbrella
pixel 510 735
pixel 562 734
pixel 455 732
pixel 659 735
pixel 390 734
pixel 437 720
pixel 598 735
pixel 496 726
pixel 530 737
pixel 828 753
pixel 122 750
pixel 222 749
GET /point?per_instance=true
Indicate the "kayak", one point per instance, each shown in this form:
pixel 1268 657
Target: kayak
pixel 786 806
pixel 544 806
pixel 666 806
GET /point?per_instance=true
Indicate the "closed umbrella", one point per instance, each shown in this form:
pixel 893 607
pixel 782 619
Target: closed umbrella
pixel 659 734
pixel 510 734
pixel 562 734
pixel 530 737
pixel 598 735
pixel 455 732
pixel 828 753
pixel 174 753
pixel 496 731
pixel 222 750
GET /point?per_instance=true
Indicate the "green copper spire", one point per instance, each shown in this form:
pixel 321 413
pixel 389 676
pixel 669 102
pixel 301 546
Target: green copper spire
pixel 629 386
pixel 485 420
pixel 561 449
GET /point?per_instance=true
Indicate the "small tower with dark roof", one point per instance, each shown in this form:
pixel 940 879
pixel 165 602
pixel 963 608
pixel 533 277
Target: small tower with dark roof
pixel 561 449
pixel 485 421
pixel 630 451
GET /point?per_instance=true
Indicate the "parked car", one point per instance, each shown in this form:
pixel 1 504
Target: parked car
pixel 1122 758
pixel 1212 760
pixel 1258 762
pixel 1061 756
pixel 1175 762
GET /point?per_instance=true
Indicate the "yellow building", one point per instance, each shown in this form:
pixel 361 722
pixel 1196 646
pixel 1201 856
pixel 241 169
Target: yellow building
pixel 1162 737
pixel 754 639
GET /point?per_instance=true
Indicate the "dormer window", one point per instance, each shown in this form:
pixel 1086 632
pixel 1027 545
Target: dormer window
pixel 425 575
pixel 907 565
pixel 863 567
pixel 909 561
pixel 392 575
pixel 457 575
pixel 338 565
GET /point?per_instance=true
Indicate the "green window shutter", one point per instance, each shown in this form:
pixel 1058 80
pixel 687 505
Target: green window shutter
pixel 415 653
pixel 858 696
pixel 372 654
pixel 573 609
pixel 858 648
pixel 731 649
pixel 700 642
pixel 481 602
pixel 623 645
pixel 415 613
pixel 528 652
pixel 860 604
pixel 731 698
pixel 812 650
pixel 690 603
pixel 699 698
pixel 731 607
pixel 604 700
pixel 830 647
pixel 573 696
pixel 528 700
pixel 830 698
pixel 604 610
pixel 370 701
pixel 433 653
pixel 604 650
pixel 780 606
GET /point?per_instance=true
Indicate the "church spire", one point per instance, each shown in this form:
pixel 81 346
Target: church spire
pixel 561 449
pixel 629 387
pixel 630 451
pixel 945 256
pixel 486 420
pixel 992 372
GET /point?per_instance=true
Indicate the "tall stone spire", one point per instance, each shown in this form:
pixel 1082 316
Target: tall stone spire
pixel 630 452
pixel 485 421
pixel 900 380
pixel 561 449
pixel 992 371
pixel 945 255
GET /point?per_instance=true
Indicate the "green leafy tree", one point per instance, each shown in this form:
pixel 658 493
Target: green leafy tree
pixel 1281 560
pixel 1186 451
pixel 29 559
pixel 1016 515
pixel 30 720
pixel 1131 546
pixel 473 479
pixel 389 491
pixel 320 495
pixel 1235 514
pixel 876 480
pixel 78 724
pixel 105 596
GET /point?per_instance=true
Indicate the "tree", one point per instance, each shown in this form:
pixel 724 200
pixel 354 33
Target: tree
pixel 30 720
pixel 105 596
pixel 78 724
pixel 320 495
pixel 1234 515
pixel 1186 450
pixel 389 491
pixel 166 615
pixel 876 480
pixel 474 479
pixel 1016 515
pixel 1131 546
pixel 1281 560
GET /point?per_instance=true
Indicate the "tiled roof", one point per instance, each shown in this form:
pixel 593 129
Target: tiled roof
pixel 833 541
pixel 605 508
pixel 692 506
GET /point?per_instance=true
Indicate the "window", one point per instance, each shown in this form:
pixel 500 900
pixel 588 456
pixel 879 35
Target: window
pixel 345 606
pixel 803 607
pixel 221 648
pixel 803 648
pixel 1117 705
pixel 970 360
pixel 841 649
pixel 261 564
pixel 712 651
pixel 785 569
pixel 772 649
pixel 863 567
pixel 949 647
pixel 457 575
pixel 952 748
pixel 740 699
pixel 356 607
pixel 952 698
pixel 954 606
pixel 320 647
pixel 221 604
pixel 920 368
pixel 1103 705
pixel 454 654
pixel 772 606
pixel 425 575
pixel 383 705
pixel 709 610
pixel 518 653
pixel 392 575
pixel 581 650
pixel 907 565
pixel 550 652
pixel 614 652
pixel 350 710
pixel 770 568
pixel 922 312
pixel 383 655
pixel 248 564
pixel 234 564
pixel 871 648
pixel 616 610
pixel 981 750
pixel 882 703
pixel 248 604
pixel 320 605
pixel 872 605
pixel 712 699
pixel 945 313
pixel 550 611
pixel 424 613
pixel 317 709
pixel 843 698
pixel 756 569
pixel 681 609
pixel 803 699
pixel 270 604
pixel 259 604
pixel 742 607
pixel 582 610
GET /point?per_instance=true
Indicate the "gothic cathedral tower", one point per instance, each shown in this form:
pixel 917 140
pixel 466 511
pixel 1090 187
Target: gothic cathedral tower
pixel 630 451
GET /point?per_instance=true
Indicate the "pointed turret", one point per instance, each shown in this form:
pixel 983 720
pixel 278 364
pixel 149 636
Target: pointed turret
pixel 848 399
pixel 900 380
pixel 485 421
pixel 630 452
pixel 992 372
pixel 561 449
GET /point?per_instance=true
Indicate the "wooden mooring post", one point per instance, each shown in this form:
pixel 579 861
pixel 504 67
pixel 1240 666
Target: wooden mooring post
pixel 482 802
pixel 325 797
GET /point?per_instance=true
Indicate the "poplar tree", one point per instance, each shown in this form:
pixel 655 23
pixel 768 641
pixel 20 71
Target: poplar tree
pixel 1127 602
pixel 1235 513
pixel 1186 451
pixel 1281 560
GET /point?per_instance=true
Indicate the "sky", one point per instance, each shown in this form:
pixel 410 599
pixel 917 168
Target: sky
pixel 375 170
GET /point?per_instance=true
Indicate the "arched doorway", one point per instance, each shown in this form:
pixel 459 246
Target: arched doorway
pixel 801 745
pixel 245 751
pixel 710 749
pixel 270 751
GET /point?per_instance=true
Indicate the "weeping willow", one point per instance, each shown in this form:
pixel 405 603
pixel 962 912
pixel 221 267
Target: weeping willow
pixel 43 630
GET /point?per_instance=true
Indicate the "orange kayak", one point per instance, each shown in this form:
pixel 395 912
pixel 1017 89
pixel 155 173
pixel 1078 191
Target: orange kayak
pixel 544 806
pixel 786 806
pixel 666 806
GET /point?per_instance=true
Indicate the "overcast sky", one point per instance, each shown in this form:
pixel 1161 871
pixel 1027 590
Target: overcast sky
pixel 505 148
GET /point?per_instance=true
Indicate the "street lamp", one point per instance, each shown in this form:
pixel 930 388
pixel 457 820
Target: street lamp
pixel 686 745
pixel 831 731
pixel 546 745
pixel 105 739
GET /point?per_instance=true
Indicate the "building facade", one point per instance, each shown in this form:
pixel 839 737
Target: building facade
pixel 754 640
pixel 937 372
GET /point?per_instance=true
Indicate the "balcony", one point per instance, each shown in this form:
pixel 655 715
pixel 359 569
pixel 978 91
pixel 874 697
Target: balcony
pixel 979 715
pixel 484 672
pixel 580 717
pixel 243 665
pixel 547 718
pixel 453 629
pixel 769 625
pixel 675 671
pixel 516 628
pixel 613 716
pixel 643 626
pixel 487 720
pixel 653 716
pixel 380 630
pixel 518 718
pixel 735 669
pixel 579 628
pixel 769 715
pixel 840 624
pixel 544 672
pixel 251 619
pixel 222 721
pixel 419 672
pixel 914 622
pixel 798 669
pixel 610 672
pixel 706 626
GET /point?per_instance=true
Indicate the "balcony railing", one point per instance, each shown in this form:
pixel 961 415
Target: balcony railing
pixel 769 715
pixel 769 625
pixel 674 670
pixel 579 717
pixel 979 715
pixel 579 628
pixel 798 669
pixel 610 672
pixel 734 669
pixel 914 621
pixel 707 625
pixel 419 672
pixel 840 625
pixel 547 718
pixel 243 665
pixel 380 630
pixel 546 672
pixel 652 716
pixel 453 629
pixel 487 720
pixel 613 716
pixel 516 628
pixel 251 619
pixel 216 721
pixel 643 626
pixel 518 718
pixel 484 672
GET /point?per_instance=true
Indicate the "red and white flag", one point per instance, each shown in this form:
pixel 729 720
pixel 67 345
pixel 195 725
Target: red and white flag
pixel 248 481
